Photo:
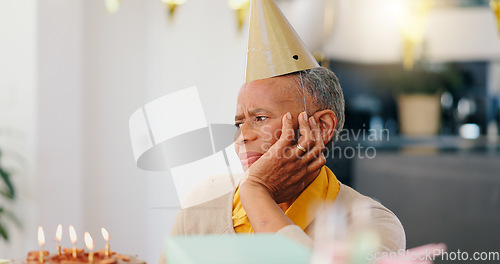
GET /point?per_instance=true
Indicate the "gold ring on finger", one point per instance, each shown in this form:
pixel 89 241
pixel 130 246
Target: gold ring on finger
pixel 301 148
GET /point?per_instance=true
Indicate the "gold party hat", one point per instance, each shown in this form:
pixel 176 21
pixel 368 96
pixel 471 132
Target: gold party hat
pixel 274 48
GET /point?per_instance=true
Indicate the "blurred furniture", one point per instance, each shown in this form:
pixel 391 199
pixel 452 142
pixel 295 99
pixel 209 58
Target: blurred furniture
pixel 450 196
pixel 367 45
pixel 368 94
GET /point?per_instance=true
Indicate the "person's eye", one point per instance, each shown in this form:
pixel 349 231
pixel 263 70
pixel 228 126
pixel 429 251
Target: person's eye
pixel 238 124
pixel 261 118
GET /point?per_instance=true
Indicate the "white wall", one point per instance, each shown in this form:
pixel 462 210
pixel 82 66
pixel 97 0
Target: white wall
pixel 74 76
pixel 201 46
pixel 42 115
pixel 131 58
pixel 114 66
pixel 59 118
pixel 18 108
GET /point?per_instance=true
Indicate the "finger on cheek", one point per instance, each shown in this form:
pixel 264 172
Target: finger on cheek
pixel 303 117
pixel 303 125
pixel 287 127
pixel 314 125
pixel 312 122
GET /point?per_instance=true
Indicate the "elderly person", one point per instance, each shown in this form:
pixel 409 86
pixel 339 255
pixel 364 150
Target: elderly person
pixel 287 111
pixel 285 174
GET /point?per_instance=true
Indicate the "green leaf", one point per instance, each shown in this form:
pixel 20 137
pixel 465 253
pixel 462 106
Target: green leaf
pixel 6 178
pixel 3 232
pixel 7 191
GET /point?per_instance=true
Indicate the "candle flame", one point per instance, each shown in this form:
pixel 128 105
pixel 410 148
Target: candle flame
pixel 59 233
pixel 72 234
pixel 88 241
pixel 41 236
pixel 105 234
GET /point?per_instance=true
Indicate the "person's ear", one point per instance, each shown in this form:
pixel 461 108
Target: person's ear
pixel 327 121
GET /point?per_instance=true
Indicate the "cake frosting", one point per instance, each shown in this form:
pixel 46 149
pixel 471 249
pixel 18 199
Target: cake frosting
pixel 82 257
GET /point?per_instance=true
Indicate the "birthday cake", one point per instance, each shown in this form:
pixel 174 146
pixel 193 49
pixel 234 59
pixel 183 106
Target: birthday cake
pixel 67 257
pixel 75 255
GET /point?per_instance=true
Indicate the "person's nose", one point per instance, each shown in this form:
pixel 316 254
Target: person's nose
pixel 246 133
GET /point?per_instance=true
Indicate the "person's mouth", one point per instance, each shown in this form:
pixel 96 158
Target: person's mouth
pixel 248 158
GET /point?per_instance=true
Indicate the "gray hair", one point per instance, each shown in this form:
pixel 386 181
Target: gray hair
pixel 324 88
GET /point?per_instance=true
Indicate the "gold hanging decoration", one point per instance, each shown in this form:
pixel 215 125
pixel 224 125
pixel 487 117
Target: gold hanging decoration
pixel 495 6
pixel 242 8
pixel 172 5
pixel 413 29
pixel 112 6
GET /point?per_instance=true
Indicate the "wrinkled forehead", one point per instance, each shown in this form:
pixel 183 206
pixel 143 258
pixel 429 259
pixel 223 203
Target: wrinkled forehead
pixel 276 89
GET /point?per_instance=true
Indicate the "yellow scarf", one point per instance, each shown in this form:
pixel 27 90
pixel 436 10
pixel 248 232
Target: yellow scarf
pixel 324 188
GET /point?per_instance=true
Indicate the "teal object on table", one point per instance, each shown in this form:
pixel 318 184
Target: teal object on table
pixel 241 249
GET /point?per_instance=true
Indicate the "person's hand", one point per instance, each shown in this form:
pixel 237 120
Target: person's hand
pixel 284 169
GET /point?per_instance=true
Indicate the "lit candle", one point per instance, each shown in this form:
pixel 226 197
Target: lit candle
pixel 90 246
pixel 58 239
pixel 72 236
pixel 41 242
pixel 105 235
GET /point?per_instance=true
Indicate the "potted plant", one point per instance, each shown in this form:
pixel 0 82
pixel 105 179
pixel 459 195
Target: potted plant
pixel 418 95
pixel 7 192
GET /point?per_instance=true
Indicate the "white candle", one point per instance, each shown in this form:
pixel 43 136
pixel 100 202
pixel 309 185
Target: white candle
pixel 105 235
pixel 41 242
pixel 73 237
pixel 90 246
pixel 58 238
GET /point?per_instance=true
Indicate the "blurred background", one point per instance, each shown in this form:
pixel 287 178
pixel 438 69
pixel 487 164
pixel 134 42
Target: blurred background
pixel 421 81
